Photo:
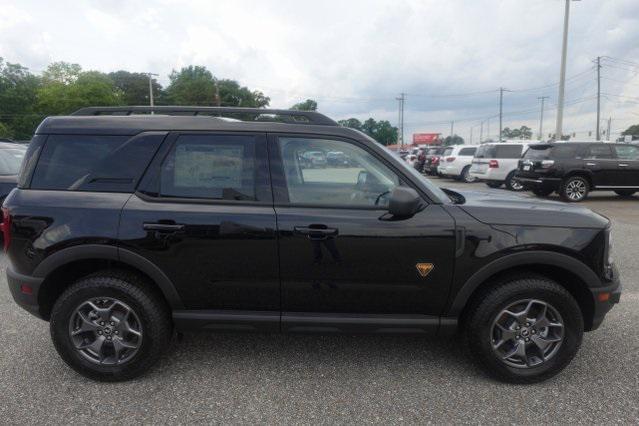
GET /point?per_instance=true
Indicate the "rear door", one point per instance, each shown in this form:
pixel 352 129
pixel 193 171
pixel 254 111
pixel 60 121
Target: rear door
pixel 343 262
pixel 203 214
pixel 627 166
pixel 600 160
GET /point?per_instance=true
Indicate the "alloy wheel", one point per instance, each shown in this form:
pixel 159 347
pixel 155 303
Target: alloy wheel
pixel 527 333
pixel 576 189
pixel 105 331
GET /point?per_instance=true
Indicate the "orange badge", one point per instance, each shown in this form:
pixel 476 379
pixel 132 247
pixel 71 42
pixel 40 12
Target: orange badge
pixel 424 268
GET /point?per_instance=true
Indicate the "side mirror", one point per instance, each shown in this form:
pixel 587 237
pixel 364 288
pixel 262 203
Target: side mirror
pixel 404 202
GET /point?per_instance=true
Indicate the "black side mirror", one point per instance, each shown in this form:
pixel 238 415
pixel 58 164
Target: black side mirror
pixel 404 202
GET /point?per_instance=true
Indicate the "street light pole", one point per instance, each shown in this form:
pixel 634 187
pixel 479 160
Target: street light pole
pixel 150 74
pixel 541 117
pixel 562 76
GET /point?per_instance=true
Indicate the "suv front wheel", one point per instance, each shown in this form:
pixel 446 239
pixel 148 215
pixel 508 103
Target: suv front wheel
pixel 574 189
pixel 110 326
pixel 524 330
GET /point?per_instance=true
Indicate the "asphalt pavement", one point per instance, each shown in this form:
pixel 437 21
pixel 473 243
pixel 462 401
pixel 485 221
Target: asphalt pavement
pixel 327 379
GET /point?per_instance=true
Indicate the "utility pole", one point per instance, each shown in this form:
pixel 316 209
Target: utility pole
pixel 598 95
pixel 501 112
pixel 481 131
pixel 150 74
pixel 562 76
pixel 541 117
pixel 401 99
pixel 471 134
pixel 452 124
pixel 608 132
pixel 488 128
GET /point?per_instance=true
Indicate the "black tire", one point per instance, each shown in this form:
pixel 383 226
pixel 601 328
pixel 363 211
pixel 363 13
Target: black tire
pixel 574 189
pixel 489 307
pixel 131 290
pixel 494 184
pixel 542 192
pixel 512 184
pixel 465 175
pixel 625 192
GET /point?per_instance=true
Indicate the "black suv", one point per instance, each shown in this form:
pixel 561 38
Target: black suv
pixel 573 169
pixel 125 229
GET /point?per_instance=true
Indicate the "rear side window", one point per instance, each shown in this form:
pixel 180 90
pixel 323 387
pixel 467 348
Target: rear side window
pixel 599 152
pixel 94 163
pixel 467 151
pixel 447 152
pixel 508 151
pixel 220 167
pixel 485 151
pixel 627 152
pixel 549 151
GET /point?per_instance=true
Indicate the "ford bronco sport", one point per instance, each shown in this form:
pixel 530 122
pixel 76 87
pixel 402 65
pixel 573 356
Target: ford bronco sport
pixel 128 226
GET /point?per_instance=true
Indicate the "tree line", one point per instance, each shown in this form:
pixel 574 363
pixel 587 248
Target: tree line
pixel 26 98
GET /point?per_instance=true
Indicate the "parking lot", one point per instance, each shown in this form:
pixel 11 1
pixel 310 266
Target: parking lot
pixel 246 378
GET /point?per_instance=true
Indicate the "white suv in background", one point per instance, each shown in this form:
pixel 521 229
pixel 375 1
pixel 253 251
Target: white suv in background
pixel 496 163
pixel 456 161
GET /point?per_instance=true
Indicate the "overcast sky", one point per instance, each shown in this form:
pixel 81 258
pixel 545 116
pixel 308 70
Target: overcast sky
pixel 355 57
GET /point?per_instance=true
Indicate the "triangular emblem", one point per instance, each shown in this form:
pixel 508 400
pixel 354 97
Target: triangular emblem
pixel 424 268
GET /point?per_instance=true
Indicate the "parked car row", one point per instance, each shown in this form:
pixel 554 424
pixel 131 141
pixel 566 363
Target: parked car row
pixel 572 169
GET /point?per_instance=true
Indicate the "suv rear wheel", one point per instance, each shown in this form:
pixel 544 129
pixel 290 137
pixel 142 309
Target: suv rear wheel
pixel 513 184
pixel 524 330
pixel 625 192
pixel 466 177
pixel 110 326
pixel 574 189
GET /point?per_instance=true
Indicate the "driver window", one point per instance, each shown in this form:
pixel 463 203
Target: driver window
pixel 334 173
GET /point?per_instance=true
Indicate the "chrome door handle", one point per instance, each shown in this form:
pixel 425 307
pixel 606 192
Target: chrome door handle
pixel 162 227
pixel 623 165
pixel 591 164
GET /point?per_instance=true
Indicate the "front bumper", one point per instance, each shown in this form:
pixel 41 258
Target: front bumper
pixel 24 290
pixel 601 308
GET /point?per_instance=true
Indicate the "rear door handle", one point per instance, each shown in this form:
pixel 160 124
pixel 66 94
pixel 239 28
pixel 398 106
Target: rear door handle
pixel 591 164
pixel 163 227
pixel 316 232
pixel 623 165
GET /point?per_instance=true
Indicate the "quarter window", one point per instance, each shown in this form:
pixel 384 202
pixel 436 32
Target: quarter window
pixel 359 179
pixel 210 166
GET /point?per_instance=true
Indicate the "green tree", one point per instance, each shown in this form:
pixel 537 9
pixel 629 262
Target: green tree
pixel 5 131
pixel 192 85
pixel 134 87
pixel 307 105
pixel 66 88
pixel 382 131
pixel 232 94
pixel 632 131
pixel 524 132
pixel 18 88
pixel 453 140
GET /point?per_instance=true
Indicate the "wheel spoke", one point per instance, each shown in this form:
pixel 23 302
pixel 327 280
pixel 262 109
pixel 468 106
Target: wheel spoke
pixel 85 325
pixel 543 342
pixel 119 345
pixel 95 347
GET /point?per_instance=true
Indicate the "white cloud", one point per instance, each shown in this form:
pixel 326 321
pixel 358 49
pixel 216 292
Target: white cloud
pixel 354 57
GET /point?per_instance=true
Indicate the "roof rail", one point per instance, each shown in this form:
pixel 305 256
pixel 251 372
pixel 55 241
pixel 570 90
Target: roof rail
pixel 286 116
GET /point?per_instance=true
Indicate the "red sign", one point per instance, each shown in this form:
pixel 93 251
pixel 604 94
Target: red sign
pixel 425 138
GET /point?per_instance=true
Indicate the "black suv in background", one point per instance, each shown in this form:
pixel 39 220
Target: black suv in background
pixel 124 229
pixel 573 169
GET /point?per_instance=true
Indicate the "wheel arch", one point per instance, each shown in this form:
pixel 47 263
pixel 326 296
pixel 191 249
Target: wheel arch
pixel 587 174
pixel 66 266
pixel 567 271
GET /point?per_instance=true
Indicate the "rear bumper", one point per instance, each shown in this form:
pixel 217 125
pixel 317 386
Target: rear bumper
pixel 539 182
pixel 19 286
pixel 601 308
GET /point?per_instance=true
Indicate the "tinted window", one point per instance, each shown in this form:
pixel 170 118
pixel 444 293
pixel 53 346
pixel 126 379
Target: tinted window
pixel 539 153
pixel 627 152
pixel 599 152
pixel 508 151
pixel 467 151
pixel 66 159
pixel 210 166
pixel 563 151
pixel 364 182
pixel 447 152
pixel 485 151
pixel 95 163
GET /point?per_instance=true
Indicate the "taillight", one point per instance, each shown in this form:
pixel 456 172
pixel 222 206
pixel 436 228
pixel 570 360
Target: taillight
pixel 493 164
pixel 435 160
pixel 6 227
pixel 450 159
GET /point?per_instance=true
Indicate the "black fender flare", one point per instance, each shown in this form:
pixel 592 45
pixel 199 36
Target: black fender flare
pixel 530 258
pixel 108 252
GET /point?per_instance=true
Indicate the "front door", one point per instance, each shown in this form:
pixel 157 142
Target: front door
pixel 340 253
pixel 204 216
